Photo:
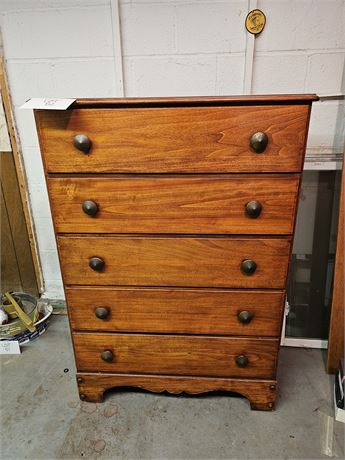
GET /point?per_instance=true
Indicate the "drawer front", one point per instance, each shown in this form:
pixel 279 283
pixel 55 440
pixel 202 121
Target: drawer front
pixel 181 139
pixel 181 311
pixel 215 205
pixel 175 355
pixel 180 261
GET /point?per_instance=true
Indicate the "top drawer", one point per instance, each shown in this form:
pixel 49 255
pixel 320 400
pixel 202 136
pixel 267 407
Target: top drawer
pixel 174 139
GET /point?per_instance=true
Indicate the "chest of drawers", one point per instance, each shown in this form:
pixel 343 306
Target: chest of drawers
pixel 174 221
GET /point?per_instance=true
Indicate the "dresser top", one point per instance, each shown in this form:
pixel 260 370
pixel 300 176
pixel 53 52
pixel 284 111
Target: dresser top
pixel 195 101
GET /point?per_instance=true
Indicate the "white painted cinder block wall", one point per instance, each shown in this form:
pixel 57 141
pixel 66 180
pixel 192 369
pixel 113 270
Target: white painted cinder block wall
pixel 68 48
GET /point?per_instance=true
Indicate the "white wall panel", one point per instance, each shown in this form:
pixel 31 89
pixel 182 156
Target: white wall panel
pixel 65 32
pixel 170 76
pixel 213 27
pixel 283 73
pixel 148 29
pixel 302 25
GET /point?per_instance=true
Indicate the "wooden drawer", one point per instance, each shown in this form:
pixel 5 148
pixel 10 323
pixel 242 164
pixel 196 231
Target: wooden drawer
pixel 176 355
pixel 181 311
pixel 175 261
pixel 197 204
pixel 180 139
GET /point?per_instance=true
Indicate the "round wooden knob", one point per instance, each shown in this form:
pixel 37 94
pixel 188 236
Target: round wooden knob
pixel 96 263
pixel 102 312
pixel 107 355
pixel 245 316
pixel 248 266
pixel 82 142
pixel 253 209
pixel 242 361
pixel 258 142
pixel 90 207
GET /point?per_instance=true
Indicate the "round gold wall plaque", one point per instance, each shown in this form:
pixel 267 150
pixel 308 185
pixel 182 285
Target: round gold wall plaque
pixel 255 21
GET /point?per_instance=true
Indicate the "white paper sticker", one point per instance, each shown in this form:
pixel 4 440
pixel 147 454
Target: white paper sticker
pixel 9 347
pixel 48 104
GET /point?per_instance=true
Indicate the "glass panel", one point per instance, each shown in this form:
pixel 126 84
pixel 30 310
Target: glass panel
pixel 312 264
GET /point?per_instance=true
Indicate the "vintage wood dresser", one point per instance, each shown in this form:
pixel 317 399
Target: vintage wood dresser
pixel 174 221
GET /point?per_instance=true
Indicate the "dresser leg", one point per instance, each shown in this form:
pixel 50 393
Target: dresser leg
pixel 270 405
pixel 260 393
pixel 89 389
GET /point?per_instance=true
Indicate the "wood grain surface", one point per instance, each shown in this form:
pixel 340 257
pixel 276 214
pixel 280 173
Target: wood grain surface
pixel 173 235
pixel 9 273
pixel 34 281
pixel 260 393
pixel 173 261
pixel 184 311
pixel 178 204
pixel 176 355
pixel 196 100
pixel 180 139
pixel 18 271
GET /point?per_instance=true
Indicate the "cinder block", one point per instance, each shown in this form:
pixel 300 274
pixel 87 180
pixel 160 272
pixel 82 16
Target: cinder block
pixel 29 79
pixel 33 165
pixel 25 124
pixel 61 78
pixel 326 73
pixel 173 76
pixel 66 32
pixel 53 290
pixel 39 201
pixel 147 29
pixel 45 234
pixel 85 78
pixel 50 265
pixel 279 73
pixel 327 126
pixel 145 2
pixel 15 5
pixel 211 27
pixel 302 25
pixel 230 73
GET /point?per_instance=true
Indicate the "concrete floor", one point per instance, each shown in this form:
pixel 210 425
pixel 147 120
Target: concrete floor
pixel 43 418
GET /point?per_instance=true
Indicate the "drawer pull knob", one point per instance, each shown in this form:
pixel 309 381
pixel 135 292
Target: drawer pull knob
pixel 107 355
pixel 248 266
pixel 258 142
pixel 90 207
pixel 82 143
pixel 96 263
pixel 242 361
pixel 245 316
pixel 253 209
pixel 102 312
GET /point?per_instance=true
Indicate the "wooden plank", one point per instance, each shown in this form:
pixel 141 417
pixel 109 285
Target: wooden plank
pixel 23 189
pixel 178 204
pixel 185 139
pixel 176 355
pixel 10 277
pixel 183 311
pixel 17 226
pixel 336 329
pixel 204 101
pixel 173 261
pixel 260 393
